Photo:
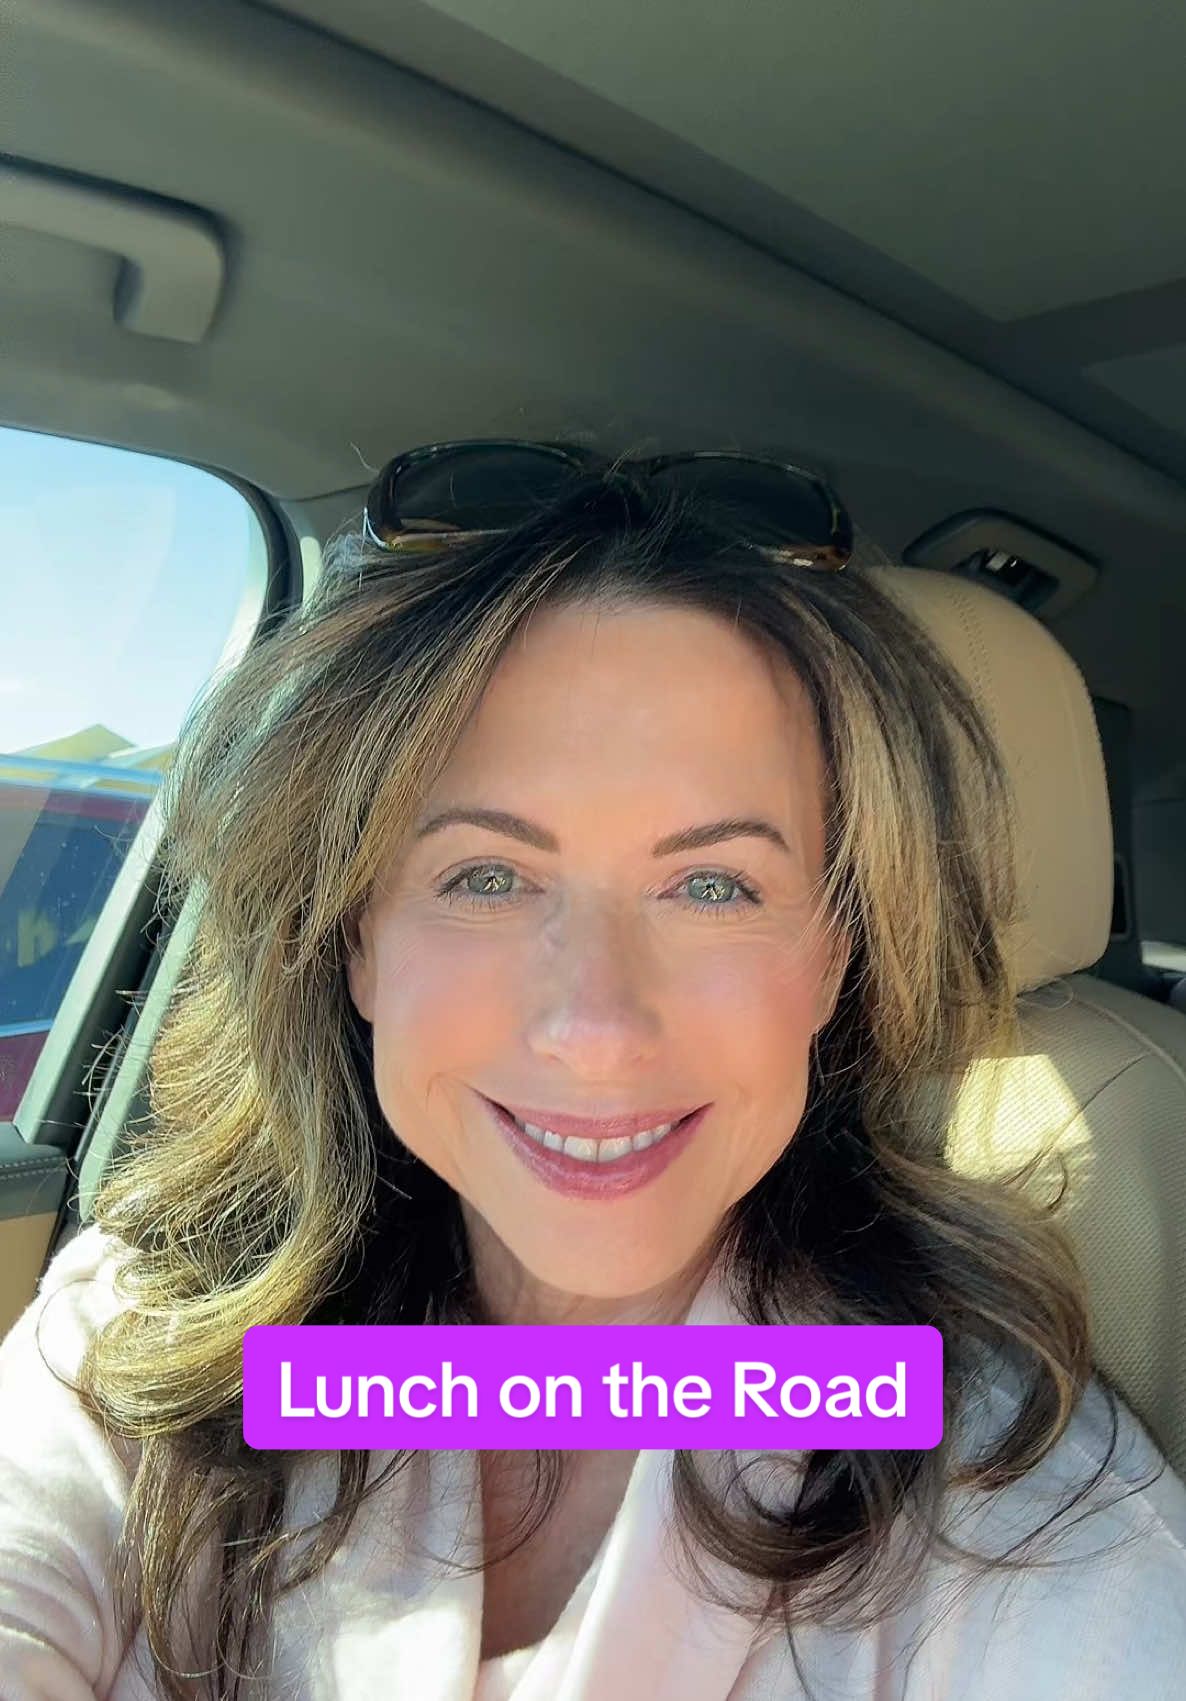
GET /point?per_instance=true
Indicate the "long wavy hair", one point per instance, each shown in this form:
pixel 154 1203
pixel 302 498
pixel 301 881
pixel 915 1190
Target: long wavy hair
pixel 267 1188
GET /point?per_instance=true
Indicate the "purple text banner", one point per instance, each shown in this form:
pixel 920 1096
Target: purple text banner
pixel 453 1386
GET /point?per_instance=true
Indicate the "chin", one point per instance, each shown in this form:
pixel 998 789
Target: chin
pixel 603 1273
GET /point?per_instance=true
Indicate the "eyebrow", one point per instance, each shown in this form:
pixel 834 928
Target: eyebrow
pixel 691 838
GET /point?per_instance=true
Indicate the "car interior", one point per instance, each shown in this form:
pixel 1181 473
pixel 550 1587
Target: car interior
pixel 922 250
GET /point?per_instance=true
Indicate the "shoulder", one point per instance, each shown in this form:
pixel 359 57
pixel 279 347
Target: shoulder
pixel 1098 1600
pixel 90 1259
pixel 77 1294
pixel 1102 1612
pixel 1105 1460
pixel 64 1483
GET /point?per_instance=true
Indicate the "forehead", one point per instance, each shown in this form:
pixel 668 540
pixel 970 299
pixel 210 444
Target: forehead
pixel 666 695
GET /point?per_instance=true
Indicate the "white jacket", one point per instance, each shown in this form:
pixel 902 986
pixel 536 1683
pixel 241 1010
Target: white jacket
pixel 380 1624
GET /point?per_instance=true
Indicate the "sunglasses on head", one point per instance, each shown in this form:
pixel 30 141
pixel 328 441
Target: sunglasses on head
pixel 430 496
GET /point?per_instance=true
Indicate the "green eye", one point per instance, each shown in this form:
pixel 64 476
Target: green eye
pixel 490 875
pixel 489 872
pixel 714 880
pixel 711 881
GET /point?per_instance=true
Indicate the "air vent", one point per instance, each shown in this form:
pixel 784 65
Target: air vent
pixel 1039 572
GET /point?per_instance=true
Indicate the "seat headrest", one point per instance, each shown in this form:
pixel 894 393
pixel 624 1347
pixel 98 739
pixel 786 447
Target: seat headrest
pixel 1037 704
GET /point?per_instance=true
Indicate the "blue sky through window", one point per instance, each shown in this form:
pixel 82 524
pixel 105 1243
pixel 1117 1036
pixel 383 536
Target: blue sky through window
pixel 120 578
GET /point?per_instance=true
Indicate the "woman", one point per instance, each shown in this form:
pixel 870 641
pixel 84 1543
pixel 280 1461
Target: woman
pixel 581 797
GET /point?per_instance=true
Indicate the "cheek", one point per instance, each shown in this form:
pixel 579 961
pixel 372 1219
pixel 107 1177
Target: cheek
pixel 751 1031
pixel 439 999
pixel 764 1005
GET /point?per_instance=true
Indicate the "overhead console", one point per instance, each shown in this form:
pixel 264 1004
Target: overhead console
pixel 1041 573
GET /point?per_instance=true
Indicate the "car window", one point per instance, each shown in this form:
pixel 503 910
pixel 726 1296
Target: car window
pixel 126 579
pixel 1164 954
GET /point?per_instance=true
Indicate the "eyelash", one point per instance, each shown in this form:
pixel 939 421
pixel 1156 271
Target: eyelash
pixel 453 891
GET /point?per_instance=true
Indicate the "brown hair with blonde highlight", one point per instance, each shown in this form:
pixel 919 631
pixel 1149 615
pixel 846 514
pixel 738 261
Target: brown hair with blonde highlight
pixel 267 1188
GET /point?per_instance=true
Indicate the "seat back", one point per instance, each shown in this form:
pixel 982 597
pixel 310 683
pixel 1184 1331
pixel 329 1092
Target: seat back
pixel 1099 1079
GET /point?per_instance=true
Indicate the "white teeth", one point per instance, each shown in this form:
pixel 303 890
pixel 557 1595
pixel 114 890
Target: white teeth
pixel 586 1149
pixel 608 1149
pixel 595 1151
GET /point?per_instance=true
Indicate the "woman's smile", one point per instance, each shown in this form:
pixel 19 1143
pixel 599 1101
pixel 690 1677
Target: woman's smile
pixel 605 1168
pixel 565 1125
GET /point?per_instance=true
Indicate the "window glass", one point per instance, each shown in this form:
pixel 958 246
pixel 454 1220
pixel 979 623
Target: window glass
pixel 124 579
pixel 1162 954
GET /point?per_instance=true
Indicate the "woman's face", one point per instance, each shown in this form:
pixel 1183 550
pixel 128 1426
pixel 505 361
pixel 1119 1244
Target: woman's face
pixel 556 963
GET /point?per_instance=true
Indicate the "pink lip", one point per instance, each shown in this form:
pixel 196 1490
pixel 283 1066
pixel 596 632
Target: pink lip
pixel 583 1180
pixel 595 1128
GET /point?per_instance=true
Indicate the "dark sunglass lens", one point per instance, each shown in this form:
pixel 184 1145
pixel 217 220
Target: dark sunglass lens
pixel 790 503
pixel 474 489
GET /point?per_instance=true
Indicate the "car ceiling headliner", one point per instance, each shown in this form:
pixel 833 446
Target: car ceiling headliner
pixel 930 250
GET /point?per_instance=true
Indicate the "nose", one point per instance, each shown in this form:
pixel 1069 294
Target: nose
pixel 592 1006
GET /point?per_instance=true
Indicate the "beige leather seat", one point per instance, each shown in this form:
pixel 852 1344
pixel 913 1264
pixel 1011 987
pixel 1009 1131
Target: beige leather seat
pixel 1101 1076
